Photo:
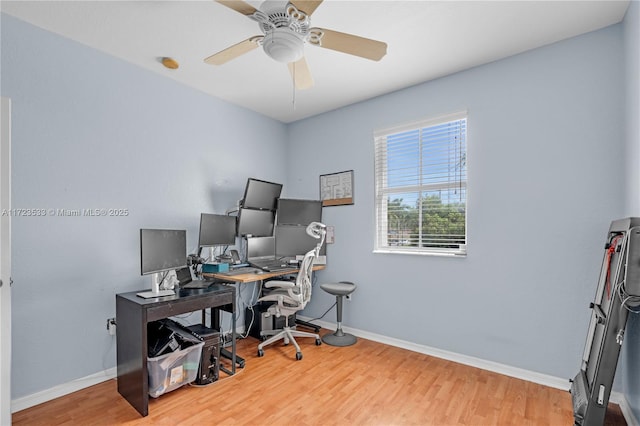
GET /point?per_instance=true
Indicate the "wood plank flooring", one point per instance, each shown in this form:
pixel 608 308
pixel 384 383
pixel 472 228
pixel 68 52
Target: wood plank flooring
pixel 366 384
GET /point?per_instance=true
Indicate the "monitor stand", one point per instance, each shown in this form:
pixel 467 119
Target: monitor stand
pixel 155 289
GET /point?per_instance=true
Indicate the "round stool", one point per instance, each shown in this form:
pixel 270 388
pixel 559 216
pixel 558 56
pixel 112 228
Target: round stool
pixel 339 289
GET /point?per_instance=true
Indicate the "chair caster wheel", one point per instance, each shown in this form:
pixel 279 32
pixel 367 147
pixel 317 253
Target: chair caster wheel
pixel 298 356
pixel 260 353
pixel 318 342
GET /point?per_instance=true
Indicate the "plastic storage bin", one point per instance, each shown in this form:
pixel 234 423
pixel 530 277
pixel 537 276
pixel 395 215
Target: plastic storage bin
pixel 170 371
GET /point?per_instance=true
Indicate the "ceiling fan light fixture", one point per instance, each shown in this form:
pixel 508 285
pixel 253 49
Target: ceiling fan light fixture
pixel 283 45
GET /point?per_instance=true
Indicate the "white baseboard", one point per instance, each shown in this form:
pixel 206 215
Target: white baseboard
pixel 61 390
pixel 507 370
pixel 28 401
pixel 625 408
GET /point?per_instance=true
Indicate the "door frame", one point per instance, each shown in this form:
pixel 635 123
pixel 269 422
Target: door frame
pixel 5 261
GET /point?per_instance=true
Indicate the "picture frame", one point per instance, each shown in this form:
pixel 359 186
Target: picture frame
pixel 336 189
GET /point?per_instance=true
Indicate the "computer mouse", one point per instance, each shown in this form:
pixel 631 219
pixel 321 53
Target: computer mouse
pixel 258 272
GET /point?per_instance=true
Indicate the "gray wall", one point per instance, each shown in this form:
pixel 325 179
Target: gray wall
pixel 544 127
pixel 631 347
pixel 90 131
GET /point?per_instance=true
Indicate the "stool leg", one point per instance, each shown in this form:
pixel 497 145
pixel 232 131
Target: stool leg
pixel 339 337
pixel 339 331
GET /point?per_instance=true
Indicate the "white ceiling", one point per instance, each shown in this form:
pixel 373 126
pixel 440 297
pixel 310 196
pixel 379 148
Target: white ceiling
pixel 426 40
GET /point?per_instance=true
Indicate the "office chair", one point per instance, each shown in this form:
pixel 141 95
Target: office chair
pixel 292 297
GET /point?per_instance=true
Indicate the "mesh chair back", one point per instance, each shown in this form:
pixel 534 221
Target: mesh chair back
pixel 303 281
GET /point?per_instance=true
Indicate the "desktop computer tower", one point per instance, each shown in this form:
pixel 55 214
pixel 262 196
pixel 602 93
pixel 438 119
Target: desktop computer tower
pixel 209 368
pixel 264 321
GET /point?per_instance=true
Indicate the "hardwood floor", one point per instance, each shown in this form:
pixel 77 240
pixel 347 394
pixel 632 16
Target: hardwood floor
pixel 366 384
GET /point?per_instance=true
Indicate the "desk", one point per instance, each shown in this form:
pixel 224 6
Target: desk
pixel 132 315
pixel 249 278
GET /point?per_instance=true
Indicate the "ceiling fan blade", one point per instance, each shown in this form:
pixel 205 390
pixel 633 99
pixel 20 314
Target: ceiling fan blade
pixel 349 43
pixel 306 6
pixel 234 51
pixel 300 73
pixel 238 6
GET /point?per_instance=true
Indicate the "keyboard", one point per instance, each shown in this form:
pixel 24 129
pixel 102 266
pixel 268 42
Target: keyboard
pixel 278 268
pixel 242 270
pixel 271 265
pixel 198 284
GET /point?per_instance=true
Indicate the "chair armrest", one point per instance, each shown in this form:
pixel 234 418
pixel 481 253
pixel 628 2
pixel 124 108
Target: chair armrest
pixel 271 298
pixel 279 284
pixel 280 299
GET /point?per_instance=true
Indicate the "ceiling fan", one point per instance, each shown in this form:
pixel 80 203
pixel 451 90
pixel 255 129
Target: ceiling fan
pixel 286 28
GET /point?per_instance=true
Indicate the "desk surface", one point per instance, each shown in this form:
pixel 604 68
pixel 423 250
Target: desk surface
pixel 181 295
pixel 248 278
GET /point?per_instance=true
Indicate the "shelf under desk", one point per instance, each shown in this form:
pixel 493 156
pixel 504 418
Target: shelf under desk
pixel 132 315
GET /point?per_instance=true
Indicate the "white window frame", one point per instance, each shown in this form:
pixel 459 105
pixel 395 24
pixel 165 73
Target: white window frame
pixel 382 192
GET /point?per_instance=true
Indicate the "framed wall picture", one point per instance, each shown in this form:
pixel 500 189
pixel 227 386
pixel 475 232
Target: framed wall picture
pixel 336 189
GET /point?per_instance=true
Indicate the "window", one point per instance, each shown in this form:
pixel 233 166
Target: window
pixel 421 187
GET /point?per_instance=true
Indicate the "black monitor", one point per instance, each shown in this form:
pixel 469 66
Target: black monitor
pixel 261 247
pixel 217 230
pixel 298 212
pixel 255 223
pixel 162 250
pixel 260 194
pixel 292 241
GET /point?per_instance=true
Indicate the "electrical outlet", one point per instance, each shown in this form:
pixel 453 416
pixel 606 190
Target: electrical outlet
pixel 111 326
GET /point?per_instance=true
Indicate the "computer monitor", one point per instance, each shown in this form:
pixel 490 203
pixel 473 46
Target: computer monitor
pixel 261 247
pixel 217 230
pixel 161 250
pixel 255 223
pixel 298 212
pixel 292 241
pixel 260 194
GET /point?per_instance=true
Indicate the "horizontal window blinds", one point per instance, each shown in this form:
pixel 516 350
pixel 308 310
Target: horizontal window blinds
pixel 421 186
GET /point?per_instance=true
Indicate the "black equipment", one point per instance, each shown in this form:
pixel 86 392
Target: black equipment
pixel 263 321
pixel 260 194
pixel 209 368
pixel 618 292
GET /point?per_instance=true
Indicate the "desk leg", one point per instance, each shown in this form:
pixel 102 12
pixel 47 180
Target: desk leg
pixel 235 359
pixel 131 347
pixel 233 344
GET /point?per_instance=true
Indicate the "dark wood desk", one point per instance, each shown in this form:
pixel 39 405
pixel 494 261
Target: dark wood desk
pixel 132 315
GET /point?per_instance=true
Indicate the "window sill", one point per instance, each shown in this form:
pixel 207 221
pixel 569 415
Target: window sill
pixel 421 253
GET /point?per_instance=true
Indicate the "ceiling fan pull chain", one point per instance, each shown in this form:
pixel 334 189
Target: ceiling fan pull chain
pixel 293 95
